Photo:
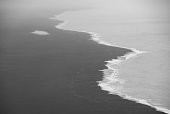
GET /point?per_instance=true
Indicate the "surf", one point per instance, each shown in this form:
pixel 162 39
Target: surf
pixel 113 78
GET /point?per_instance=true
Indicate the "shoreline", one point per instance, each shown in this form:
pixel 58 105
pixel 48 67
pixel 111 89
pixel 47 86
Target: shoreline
pixel 114 75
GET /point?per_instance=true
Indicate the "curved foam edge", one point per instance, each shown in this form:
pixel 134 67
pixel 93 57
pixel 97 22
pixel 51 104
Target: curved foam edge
pixel 145 102
pixel 114 76
pixel 141 101
pixel 40 32
pixel 61 24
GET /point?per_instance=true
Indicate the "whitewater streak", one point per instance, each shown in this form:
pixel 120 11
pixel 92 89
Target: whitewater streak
pixel 113 77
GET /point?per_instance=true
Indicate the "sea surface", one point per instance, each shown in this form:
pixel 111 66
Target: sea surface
pixel 47 70
pixel 143 77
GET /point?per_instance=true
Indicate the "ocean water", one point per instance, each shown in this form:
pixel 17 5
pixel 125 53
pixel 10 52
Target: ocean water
pixel 142 77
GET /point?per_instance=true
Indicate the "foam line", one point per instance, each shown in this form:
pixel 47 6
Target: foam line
pixel 61 24
pixel 40 32
pixel 113 77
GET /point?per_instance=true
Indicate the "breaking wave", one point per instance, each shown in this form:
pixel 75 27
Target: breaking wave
pixel 113 77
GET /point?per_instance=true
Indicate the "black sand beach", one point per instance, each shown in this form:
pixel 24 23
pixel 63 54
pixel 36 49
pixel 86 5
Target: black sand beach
pixel 56 73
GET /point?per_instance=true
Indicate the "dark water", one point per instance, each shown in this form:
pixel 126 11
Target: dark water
pixel 146 77
pixel 57 73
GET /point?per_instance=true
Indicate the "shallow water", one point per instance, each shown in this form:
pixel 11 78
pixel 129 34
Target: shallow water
pixel 147 75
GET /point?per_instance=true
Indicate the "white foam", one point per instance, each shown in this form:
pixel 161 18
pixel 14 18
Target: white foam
pixel 113 77
pixel 61 24
pixel 40 32
pixel 105 84
pixel 145 102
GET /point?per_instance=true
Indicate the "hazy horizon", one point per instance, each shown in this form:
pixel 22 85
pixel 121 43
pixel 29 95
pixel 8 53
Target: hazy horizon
pixel 122 6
